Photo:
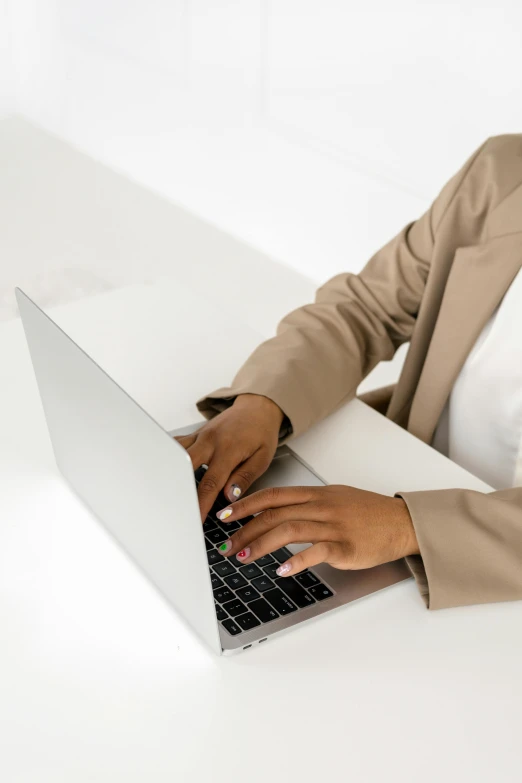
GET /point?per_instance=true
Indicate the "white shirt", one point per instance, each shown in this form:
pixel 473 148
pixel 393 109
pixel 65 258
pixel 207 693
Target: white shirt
pixel 480 427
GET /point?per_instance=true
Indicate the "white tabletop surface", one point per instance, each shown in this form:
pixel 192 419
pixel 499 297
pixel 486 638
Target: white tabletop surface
pixel 99 681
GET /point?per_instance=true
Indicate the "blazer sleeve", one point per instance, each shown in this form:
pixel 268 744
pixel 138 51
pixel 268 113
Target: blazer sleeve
pixel 470 544
pixel 323 350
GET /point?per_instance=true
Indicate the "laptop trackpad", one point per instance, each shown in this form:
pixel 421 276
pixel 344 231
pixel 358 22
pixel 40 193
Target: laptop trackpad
pixel 286 470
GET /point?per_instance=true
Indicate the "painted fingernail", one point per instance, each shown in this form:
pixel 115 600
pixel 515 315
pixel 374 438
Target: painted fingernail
pixel 225 514
pixel 226 546
pixel 235 490
pixel 284 569
pixel 244 553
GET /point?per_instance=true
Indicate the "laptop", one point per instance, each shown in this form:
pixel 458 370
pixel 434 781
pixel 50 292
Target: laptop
pixel 140 483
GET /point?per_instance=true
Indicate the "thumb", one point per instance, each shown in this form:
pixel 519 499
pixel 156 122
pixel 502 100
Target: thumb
pixel 245 475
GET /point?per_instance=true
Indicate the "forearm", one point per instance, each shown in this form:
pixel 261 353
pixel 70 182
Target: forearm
pixel 323 350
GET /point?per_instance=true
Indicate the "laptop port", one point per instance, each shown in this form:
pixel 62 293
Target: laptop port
pixel 247 646
pixel 262 640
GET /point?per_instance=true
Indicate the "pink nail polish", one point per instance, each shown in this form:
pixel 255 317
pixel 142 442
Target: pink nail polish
pixel 244 553
pixel 226 546
pixel 224 514
pixel 284 569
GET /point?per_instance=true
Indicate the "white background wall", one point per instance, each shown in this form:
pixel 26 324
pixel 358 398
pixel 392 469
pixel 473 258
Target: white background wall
pixel 6 63
pixel 313 129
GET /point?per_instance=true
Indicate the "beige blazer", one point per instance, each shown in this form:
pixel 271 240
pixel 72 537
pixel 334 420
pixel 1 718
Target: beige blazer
pixel 435 284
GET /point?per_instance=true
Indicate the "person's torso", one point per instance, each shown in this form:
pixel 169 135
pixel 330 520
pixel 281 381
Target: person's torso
pixel 480 427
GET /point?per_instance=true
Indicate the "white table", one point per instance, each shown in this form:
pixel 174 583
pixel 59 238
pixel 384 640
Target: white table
pixel 100 682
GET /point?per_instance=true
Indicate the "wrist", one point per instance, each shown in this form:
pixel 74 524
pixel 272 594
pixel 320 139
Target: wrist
pixel 410 545
pixel 261 403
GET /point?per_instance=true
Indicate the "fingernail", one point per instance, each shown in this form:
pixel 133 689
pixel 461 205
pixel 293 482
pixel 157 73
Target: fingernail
pixel 283 569
pixel 235 490
pixel 225 514
pixel 226 546
pixel 244 553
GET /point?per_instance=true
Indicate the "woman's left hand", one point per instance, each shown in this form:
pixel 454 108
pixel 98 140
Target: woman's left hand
pixel 348 528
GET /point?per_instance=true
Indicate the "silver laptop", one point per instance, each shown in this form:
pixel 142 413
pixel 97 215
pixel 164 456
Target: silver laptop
pixel 140 484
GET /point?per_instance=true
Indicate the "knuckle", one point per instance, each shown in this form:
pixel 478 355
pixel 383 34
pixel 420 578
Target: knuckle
pixel 208 484
pixel 273 493
pixel 268 517
pixel 318 492
pixel 265 458
pixel 325 551
pixel 206 433
pixel 321 508
pixel 246 476
pixel 291 529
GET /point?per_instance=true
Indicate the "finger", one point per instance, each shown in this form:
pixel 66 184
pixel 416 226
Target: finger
pixel 200 452
pixel 215 478
pixel 185 440
pixel 246 474
pixel 322 552
pixel 273 497
pixel 302 532
pixel 272 518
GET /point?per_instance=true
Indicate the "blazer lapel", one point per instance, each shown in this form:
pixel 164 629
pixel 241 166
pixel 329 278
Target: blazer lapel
pixel 480 276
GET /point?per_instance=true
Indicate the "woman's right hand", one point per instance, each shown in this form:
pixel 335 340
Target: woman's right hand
pixel 237 445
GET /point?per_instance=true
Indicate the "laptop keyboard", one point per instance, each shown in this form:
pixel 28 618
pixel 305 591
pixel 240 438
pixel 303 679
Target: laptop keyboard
pixel 247 596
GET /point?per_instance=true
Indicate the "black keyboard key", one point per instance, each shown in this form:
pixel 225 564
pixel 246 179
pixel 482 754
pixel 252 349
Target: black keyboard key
pixel 307 579
pixel 224 569
pixel 231 627
pixel 234 607
pixel 216 581
pixel 294 591
pixel 247 594
pixel 216 536
pixel 263 584
pixel 199 473
pixel 235 581
pixel 265 560
pixel 247 621
pixel 208 544
pixel 270 570
pixel 282 555
pixel 220 613
pixel 320 592
pixel 209 525
pixel 233 559
pixel 251 571
pixel 263 610
pixel 214 557
pixel 223 594
pixel 222 501
pixel 279 601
